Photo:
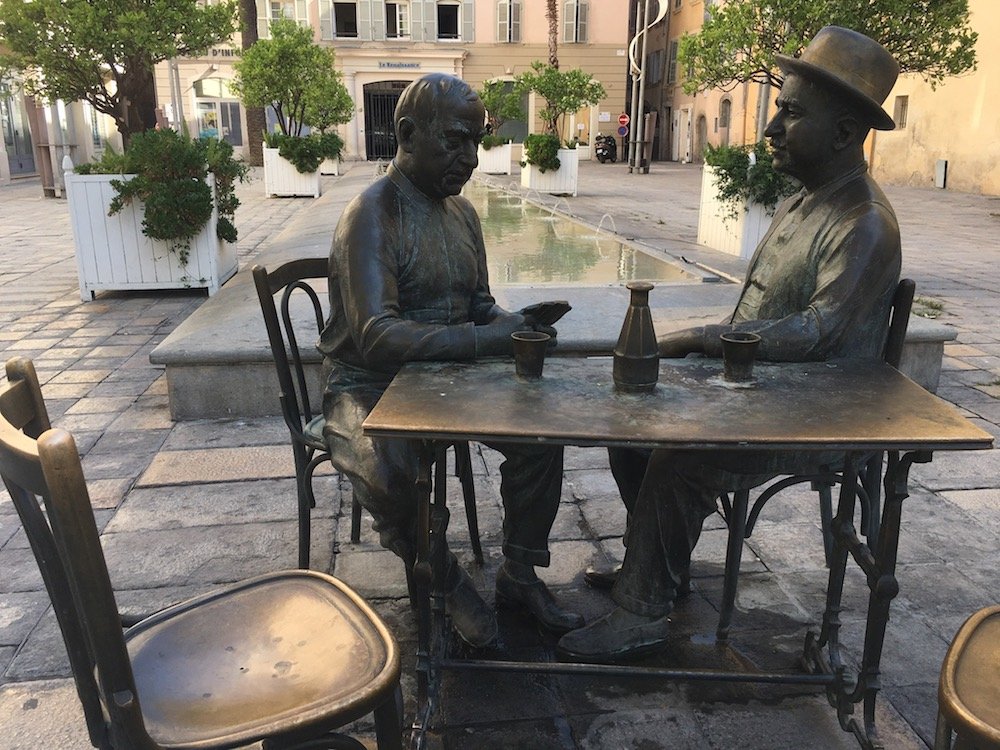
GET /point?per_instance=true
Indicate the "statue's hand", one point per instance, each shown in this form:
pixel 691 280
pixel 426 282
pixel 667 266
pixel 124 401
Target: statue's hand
pixel 494 338
pixel 680 343
pixel 549 330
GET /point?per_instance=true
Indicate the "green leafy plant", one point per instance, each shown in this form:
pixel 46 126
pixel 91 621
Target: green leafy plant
pixel 740 179
pixel 564 91
pixel 305 152
pixel 490 140
pixel 542 151
pixel 502 100
pixel 170 171
pixel 739 39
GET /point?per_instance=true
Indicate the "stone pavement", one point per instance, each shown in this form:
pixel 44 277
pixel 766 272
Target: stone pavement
pixel 187 505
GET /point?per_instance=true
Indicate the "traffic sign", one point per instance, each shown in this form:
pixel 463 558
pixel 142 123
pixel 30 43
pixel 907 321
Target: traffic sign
pixel 623 131
pixel 623 119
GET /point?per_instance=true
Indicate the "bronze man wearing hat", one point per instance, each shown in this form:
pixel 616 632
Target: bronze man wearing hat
pixel 819 286
pixel 408 282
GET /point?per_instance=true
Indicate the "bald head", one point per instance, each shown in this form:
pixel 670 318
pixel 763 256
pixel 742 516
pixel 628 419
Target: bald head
pixel 426 98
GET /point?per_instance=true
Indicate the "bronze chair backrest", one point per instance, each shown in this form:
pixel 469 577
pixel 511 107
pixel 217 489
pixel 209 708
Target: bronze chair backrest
pixel 37 462
pixel 899 320
pixel 288 278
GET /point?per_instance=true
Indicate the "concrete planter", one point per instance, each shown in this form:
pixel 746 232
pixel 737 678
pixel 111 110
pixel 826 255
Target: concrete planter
pixel 495 160
pixel 562 181
pixel 330 167
pixel 113 253
pixel 717 229
pixel 283 179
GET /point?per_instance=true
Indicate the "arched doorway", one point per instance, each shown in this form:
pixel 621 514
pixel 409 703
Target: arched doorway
pixel 701 139
pixel 380 105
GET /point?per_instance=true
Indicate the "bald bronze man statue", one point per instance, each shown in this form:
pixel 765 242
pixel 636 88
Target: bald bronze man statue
pixel 819 286
pixel 408 281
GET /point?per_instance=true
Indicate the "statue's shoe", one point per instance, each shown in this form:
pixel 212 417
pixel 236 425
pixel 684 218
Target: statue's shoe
pixel 536 599
pixel 473 620
pixel 604 580
pixel 616 636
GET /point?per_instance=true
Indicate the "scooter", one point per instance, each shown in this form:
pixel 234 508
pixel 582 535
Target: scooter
pixel 605 148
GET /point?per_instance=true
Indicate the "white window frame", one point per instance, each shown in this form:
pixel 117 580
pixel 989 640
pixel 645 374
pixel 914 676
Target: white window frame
pixel 298 7
pixel 458 20
pixel 509 21
pixel 672 61
pixel 402 16
pixel 576 15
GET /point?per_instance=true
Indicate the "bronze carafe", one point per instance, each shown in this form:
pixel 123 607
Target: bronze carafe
pixel 637 356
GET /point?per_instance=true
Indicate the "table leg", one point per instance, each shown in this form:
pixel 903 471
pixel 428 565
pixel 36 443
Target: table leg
pixel 429 575
pixel 422 575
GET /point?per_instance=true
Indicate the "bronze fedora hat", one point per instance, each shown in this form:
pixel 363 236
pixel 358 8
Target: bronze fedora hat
pixel 852 63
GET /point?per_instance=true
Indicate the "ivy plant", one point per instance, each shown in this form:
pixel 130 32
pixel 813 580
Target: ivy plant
pixel 170 179
pixel 745 174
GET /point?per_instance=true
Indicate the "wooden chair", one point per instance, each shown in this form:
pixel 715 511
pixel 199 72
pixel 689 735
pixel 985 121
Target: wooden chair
pixel 969 688
pixel 305 426
pixel 285 658
pixel 741 517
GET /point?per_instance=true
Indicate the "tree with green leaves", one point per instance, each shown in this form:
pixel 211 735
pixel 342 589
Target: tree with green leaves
pixel 293 76
pixel 740 38
pixel 502 101
pixel 104 51
pixel 564 92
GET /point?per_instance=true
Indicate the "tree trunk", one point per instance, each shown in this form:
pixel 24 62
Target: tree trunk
pixel 552 16
pixel 256 117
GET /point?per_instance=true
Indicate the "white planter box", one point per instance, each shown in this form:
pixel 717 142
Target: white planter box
pixel 113 253
pixel 495 160
pixel 282 178
pixel 330 166
pixel 717 229
pixel 559 182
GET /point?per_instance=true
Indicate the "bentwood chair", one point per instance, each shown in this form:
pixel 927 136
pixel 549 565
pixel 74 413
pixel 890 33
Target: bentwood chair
pixel 969 688
pixel 741 516
pixel 304 424
pixel 284 658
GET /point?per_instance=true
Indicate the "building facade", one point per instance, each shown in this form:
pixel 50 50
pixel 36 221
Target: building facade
pixel 382 46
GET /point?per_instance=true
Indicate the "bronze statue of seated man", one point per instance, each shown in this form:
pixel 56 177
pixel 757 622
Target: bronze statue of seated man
pixel 819 286
pixel 408 281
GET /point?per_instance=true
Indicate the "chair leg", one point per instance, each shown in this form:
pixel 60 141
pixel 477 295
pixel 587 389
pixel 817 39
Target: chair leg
pixel 942 733
pixel 463 467
pixel 734 550
pixel 355 519
pixel 389 722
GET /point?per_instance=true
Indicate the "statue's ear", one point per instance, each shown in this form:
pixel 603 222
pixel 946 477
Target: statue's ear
pixel 850 131
pixel 406 130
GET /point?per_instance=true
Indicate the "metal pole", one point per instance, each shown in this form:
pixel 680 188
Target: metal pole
pixel 640 24
pixel 640 128
pixel 762 103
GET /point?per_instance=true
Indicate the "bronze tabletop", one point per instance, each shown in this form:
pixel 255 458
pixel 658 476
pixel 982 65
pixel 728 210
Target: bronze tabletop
pixel 840 405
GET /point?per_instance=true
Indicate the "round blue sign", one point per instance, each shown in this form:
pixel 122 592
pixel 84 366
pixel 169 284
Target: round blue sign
pixel 623 131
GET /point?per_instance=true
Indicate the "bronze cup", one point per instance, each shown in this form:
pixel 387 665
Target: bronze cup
pixel 738 353
pixel 529 353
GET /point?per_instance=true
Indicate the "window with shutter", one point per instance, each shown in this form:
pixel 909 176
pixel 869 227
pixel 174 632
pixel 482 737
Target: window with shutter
pixel 575 21
pixel 509 21
pixel 672 61
pixel 397 20
pixel 448 21
pixel 345 20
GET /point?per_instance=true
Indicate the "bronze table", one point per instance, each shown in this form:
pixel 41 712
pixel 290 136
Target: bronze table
pixel 851 406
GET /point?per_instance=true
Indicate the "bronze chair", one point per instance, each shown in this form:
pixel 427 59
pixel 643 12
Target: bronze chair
pixel 741 517
pixel 306 428
pixel 969 688
pixel 285 658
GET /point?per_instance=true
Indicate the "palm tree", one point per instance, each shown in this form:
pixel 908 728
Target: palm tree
pixel 256 118
pixel 552 16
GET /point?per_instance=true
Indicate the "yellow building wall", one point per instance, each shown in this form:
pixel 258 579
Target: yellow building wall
pixel 958 122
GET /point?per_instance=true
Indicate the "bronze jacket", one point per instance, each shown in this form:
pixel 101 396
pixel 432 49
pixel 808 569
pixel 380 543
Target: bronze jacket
pixel 821 282
pixel 408 281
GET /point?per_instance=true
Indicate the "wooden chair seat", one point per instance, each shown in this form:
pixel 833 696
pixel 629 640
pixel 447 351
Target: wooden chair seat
pixel 969 688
